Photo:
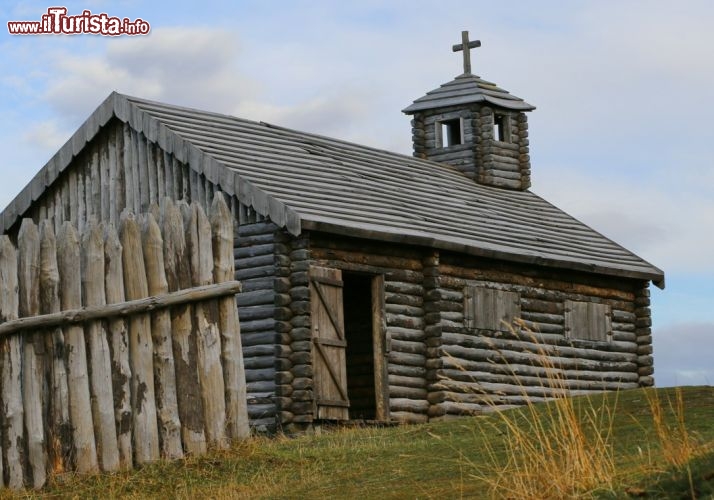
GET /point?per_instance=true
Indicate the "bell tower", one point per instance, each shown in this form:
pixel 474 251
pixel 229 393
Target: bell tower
pixel 475 126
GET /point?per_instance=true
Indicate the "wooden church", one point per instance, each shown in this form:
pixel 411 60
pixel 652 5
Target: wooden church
pixel 378 286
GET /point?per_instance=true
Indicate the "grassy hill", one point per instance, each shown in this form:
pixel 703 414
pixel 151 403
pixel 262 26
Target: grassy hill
pixel 644 444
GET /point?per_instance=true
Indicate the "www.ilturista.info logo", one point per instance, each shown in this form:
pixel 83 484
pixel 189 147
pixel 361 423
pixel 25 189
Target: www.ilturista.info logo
pixel 57 22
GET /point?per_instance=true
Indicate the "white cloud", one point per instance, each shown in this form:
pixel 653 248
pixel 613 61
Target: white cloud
pixel 187 66
pixel 666 227
pixel 47 135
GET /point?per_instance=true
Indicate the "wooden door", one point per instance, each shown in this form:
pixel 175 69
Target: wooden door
pixel 328 344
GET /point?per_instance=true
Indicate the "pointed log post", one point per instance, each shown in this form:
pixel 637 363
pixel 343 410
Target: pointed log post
pixel 12 409
pixel 164 372
pixel 231 351
pixel 28 242
pixel 99 356
pixel 80 409
pixel 146 435
pixel 119 346
pixel 208 340
pixel 59 428
pixel 178 277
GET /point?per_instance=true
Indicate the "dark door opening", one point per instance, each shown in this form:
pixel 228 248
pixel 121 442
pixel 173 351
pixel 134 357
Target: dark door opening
pixel 360 346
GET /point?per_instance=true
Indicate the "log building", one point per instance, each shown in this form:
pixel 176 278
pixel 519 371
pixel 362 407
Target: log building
pixel 377 286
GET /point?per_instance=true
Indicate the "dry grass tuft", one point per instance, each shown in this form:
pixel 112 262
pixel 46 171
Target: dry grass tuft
pixel 556 450
pixel 678 446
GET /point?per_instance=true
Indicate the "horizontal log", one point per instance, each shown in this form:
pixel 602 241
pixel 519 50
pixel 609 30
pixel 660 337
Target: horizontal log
pixel 255 262
pixel 261 374
pixel 532 376
pixel 403 321
pixel 408 405
pixel 255 313
pixel 545 328
pixel 624 327
pixel 256 228
pixel 260 325
pixel 506 357
pixel 444 306
pixel 258 350
pixel 542 306
pixel 403 299
pixel 403 288
pixel 444 294
pixel 258 338
pixel 537 317
pixel 253 284
pixel 410 334
pixel 259 362
pixel 407 370
pixel 399 309
pixel 415 382
pixel 243 252
pixel 260 410
pixel 398 391
pixel 254 298
pixel 266 387
pixel 533 287
pixel 408 347
pixel 132 307
pixel 550 345
pixel 402 358
pixel 255 272
pixel 455 317
pixel 462 408
pixel 398 261
pixel 621 336
pixel 246 241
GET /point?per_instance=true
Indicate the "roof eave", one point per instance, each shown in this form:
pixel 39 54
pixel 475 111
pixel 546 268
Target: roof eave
pixel 512 104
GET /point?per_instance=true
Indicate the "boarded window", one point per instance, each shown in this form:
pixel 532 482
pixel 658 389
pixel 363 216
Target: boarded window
pixel 587 321
pixel 490 309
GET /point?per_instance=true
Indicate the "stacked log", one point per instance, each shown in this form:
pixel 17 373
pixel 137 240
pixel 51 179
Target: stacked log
pixel 254 254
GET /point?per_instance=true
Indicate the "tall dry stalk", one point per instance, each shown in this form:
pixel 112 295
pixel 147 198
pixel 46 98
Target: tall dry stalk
pixel 677 445
pixel 558 450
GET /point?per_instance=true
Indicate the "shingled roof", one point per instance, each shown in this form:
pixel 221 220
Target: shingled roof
pixel 465 89
pixel 309 182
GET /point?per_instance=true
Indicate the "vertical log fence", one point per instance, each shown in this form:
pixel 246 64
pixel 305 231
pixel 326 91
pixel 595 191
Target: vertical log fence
pixel 118 347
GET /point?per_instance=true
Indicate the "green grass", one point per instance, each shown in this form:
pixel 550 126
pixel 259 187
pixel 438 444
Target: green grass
pixel 436 460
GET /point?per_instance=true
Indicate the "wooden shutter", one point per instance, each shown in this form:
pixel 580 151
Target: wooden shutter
pixel 587 321
pixel 490 309
pixel 328 344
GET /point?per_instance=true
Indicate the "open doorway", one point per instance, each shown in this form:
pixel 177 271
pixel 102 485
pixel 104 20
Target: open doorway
pixel 360 346
pixel 348 336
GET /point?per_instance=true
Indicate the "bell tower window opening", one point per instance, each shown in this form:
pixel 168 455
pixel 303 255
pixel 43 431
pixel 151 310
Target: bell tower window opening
pixel 501 130
pixel 449 133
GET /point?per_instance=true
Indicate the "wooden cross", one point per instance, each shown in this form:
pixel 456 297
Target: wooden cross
pixel 466 46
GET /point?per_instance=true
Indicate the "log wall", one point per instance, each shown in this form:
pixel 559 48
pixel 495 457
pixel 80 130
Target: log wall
pixel 440 368
pixel 295 353
pixel 255 263
pixel 482 368
pixel 481 156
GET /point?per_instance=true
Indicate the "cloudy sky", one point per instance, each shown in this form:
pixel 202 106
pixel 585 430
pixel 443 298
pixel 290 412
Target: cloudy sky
pixel 621 137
